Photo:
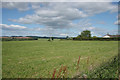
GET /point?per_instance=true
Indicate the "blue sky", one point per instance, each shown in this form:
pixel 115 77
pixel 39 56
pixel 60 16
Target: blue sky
pixel 59 19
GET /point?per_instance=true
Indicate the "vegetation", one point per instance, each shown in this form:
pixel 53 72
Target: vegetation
pixel 44 59
pixel 96 39
pixel 86 34
pixel 107 70
pixel 18 39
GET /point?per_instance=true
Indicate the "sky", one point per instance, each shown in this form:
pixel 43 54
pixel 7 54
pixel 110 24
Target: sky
pixel 59 19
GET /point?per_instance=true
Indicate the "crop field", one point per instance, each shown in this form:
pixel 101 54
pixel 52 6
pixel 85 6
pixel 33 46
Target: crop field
pixel 44 59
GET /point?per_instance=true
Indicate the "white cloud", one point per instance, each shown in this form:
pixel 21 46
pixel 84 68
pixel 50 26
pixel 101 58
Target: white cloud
pixel 12 27
pixel 117 22
pixel 21 6
pixel 63 34
pixel 60 15
pixel 61 0
pixel 17 30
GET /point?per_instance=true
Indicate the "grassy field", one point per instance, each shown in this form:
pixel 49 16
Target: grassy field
pixel 35 59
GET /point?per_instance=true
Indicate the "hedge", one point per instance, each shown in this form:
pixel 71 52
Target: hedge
pixel 17 39
pixel 97 39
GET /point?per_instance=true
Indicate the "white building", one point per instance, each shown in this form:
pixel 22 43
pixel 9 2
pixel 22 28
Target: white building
pixel 106 36
pixel 111 36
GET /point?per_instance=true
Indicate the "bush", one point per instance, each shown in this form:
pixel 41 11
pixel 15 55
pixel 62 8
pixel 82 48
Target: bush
pixel 17 39
pixel 97 39
pixel 106 70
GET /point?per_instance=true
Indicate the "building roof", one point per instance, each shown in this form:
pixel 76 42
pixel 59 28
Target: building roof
pixel 112 36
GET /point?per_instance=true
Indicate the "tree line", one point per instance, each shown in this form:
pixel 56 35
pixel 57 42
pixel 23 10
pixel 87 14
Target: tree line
pixel 86 35
pixel 17 38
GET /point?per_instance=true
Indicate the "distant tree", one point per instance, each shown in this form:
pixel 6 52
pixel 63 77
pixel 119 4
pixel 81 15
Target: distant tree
pixel 94 36
pixel 86 34
pixel 79 36
pixel 52 38
pixel 67 37
pixel 49 39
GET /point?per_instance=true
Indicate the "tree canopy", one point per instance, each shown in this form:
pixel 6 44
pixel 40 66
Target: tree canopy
pixel 86 34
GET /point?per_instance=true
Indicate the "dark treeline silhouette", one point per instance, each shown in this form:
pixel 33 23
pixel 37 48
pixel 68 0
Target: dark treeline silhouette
pixel 21 38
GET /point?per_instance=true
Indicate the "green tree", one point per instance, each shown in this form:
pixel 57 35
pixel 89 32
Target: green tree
pixel 52 38
pixel 79 36
pixel 86 34
pixel 94 36
pixel 67 37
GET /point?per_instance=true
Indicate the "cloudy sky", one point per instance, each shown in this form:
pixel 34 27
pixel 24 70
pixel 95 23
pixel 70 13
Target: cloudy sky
pixel 59 18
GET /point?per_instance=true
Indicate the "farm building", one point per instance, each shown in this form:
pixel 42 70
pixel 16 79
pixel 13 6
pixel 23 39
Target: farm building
pixel 111 36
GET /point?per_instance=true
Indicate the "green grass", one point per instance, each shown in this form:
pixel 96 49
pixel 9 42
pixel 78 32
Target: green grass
pixel 106 70
pixel 35 59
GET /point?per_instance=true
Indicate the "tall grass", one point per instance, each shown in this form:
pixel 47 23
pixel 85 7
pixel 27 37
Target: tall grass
pixel 106 70
pixel 78 63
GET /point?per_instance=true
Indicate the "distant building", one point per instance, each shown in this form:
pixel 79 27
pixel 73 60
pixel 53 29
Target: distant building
pixel 106 36
pixel 22 37
pixel 111 36
pixel 4 37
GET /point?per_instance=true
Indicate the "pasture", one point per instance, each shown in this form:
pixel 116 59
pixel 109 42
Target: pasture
pixel 39 59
